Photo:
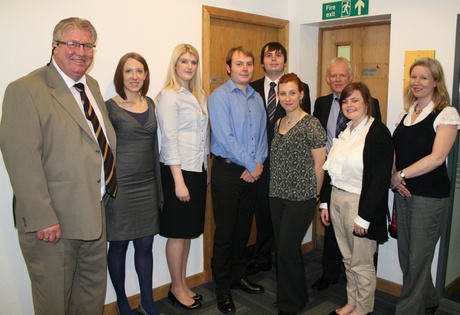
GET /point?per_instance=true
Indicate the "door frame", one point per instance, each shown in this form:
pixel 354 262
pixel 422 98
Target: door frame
pixel 209 13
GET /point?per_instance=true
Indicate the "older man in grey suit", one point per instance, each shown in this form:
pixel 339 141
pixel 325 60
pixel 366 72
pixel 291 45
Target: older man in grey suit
pixel 54 138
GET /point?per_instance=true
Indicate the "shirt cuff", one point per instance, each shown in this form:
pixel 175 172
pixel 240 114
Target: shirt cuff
pixel 323 205
pixel 361 222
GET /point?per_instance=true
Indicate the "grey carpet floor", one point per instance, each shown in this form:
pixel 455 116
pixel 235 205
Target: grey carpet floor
pixel 321 303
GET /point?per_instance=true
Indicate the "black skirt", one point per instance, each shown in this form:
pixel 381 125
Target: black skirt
pixel 183 219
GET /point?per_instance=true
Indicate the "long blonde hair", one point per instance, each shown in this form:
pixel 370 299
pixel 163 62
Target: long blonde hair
pixel 440 96
pixel 172 81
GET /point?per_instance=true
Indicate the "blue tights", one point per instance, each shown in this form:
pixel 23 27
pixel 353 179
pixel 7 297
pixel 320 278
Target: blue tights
pixel 143 261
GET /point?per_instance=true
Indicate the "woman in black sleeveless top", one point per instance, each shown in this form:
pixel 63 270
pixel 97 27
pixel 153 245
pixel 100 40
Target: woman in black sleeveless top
pixel 425 134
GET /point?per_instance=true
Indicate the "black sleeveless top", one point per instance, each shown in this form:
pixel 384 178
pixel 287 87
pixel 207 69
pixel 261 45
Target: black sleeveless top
pixel 411 144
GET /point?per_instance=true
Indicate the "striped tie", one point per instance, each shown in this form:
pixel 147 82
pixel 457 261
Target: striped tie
pixel 340 126
pixel 109 162
pixel 271 103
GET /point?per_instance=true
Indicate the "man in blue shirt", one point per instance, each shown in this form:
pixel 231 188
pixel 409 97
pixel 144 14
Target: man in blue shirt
pixel 239 146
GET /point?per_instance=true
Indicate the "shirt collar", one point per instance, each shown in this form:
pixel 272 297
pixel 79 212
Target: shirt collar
pixel 427 109
pixel 233 87
pixel 267 80
pixel 68 81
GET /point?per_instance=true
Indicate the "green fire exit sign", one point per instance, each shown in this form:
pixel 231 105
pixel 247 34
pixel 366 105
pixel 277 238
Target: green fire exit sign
pixel 345 8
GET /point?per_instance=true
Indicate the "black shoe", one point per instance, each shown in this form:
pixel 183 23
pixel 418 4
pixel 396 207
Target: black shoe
pixel 225 304
pixel 256 268
pixel 173 299
pixel 286 313
pixel 432 309
pixel 197 297
pixel 333 313
pixel 323 283
pixel 249 287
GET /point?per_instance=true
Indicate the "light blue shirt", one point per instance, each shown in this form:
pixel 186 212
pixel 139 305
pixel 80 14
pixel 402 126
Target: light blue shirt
pixel 332 122
pixel 238 125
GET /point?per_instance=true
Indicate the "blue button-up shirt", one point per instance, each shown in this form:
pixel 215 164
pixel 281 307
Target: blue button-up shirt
pixel 238 125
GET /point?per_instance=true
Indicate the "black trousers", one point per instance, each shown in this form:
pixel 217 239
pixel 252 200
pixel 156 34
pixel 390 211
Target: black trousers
pixel 291 220
pixel 263 247
pixel 332 257
pixel 233 204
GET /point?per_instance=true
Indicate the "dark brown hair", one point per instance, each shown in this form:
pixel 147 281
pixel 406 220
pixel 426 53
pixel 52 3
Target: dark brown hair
pixel 273 46
pixel 365 93
pixel 118 77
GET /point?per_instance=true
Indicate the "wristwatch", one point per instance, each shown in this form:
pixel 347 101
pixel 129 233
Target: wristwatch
pixel 401 173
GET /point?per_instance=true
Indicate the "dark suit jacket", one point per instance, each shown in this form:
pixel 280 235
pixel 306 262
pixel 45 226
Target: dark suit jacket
pixel 323 106
pixel 52 157
pixel 258 85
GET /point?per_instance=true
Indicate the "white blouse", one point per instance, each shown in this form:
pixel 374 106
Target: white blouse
pixel 448 116
pixel 345 160
pixel 184 129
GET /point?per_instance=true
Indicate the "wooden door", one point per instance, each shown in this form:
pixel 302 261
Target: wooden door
pixel 369 55
pixel 222 30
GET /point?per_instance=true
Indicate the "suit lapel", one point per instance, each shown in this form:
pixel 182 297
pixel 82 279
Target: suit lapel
pixel 66 100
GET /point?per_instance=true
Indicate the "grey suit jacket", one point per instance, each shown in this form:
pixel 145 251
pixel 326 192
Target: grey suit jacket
pixel 52 157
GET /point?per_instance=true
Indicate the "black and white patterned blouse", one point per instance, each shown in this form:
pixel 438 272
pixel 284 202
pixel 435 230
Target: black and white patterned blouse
pixel 292 171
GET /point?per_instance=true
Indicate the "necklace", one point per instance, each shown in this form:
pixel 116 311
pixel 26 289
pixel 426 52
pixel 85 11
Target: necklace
pixel 126 106
pixel 294 119
pixel 417 110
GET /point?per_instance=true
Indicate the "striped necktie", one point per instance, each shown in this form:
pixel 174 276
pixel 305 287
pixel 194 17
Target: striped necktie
pixel 109 162
pixel 340 126
pixel 271 103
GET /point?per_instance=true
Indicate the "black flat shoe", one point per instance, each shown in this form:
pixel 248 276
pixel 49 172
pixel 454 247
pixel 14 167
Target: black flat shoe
pixel 323 283
pixel 248 287
pixel 333 313
pixel 225 304
pixel 173 299
pixel 197 297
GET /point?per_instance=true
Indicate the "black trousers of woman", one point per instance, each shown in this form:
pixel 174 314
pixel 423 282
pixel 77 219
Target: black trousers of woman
pixel 291 220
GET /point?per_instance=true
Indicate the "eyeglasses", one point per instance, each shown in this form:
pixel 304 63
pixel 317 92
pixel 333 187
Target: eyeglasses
pixel 75 46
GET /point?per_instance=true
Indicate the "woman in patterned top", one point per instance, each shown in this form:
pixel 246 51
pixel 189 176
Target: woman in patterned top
pixel 297 155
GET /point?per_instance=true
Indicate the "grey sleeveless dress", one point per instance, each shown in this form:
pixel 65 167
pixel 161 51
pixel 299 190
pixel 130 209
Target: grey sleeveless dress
pixel 134 213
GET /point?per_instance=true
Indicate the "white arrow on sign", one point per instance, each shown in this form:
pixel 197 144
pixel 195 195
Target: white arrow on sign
pixel 359 5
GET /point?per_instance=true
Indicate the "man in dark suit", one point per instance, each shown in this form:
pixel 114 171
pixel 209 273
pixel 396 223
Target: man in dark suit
pixel 54 158
pixel 273 58
pixel 339 74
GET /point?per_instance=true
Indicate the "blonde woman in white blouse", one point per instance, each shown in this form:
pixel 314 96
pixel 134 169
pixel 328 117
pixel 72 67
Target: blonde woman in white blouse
pixel 183 120
pixel 425 135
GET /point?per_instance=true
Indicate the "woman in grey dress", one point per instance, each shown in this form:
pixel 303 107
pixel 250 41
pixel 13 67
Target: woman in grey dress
pixel 134 214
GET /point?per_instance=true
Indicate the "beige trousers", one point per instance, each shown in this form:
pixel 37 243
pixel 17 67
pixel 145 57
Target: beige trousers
pixel 357 252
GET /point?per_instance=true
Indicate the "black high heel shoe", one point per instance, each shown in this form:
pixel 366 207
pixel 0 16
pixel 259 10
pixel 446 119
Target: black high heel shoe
pixel 197 297
pixel 173 299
